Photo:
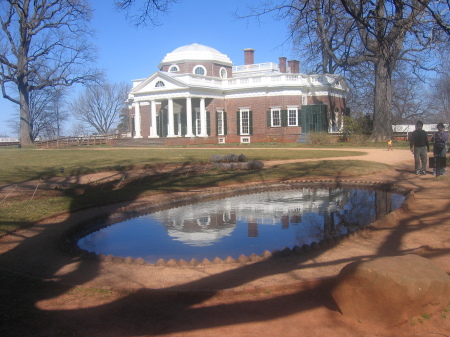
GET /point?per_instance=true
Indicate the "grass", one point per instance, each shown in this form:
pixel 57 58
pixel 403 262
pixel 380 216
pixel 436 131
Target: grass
pixel 18 165
pixel 20 211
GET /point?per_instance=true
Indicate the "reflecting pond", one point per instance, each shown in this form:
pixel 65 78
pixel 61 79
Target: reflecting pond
pixel 243 224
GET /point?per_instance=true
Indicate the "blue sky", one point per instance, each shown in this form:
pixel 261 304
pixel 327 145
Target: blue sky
pixel 127 52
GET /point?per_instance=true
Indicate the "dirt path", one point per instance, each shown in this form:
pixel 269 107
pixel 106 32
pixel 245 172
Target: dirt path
pixel 54 294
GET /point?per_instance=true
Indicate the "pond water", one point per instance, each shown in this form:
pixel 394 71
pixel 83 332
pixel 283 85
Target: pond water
pixel 242 225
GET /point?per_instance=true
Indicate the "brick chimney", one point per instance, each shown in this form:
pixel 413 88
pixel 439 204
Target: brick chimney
pixel 282 64
pixel 291 66
pixel 249 56
pixel 294 66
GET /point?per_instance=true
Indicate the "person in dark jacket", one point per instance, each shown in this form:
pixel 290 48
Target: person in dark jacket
pixel 419 147
pixel 440 139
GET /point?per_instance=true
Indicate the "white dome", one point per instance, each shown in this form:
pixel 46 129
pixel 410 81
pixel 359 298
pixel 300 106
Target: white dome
pixel 195 52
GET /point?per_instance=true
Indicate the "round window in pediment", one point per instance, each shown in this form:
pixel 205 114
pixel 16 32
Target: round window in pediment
pixel 159 84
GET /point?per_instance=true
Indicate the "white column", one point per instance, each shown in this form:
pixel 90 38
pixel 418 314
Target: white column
pixel 330 122
pixel 203 132
pixel 153 126
pixel 170 127
pixel 137 120
pixel 189 117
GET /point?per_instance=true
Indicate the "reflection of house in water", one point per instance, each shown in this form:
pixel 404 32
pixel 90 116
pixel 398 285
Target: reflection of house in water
pixel 252 228
pixel 315 213
pixel 195 225
pixel 205 223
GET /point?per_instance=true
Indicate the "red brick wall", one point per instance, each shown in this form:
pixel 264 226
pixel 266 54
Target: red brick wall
pixel 258 105
pixel 212 69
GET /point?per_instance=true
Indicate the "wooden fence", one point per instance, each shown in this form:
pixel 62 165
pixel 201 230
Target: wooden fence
pixel 76 141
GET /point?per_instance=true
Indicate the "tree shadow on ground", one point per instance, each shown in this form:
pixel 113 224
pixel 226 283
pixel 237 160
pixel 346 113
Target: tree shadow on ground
pixel 27 280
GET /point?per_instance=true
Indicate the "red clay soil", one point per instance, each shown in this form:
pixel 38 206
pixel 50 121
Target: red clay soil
pixel 46 292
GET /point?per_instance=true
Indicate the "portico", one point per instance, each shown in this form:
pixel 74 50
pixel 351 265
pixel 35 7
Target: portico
pixel 171 117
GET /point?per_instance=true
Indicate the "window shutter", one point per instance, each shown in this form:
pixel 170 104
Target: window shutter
pixel 224 123
pixel 208 123
pixel 284 118
pixel 238 123
pixel 250 122
pixel 217 123
pixel 269 118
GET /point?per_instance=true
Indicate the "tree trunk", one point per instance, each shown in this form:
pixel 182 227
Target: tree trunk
pixel 382 116
pixel 26 138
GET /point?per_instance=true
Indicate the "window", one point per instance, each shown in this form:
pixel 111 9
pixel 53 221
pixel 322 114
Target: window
pixel 199 70
pixel 174 69
pixel 276 117
pixel 292 116
pixel 159 84
pixel 220 123
pixel 245 122
pixel 223 73
pixel 198 123
pixel 245 140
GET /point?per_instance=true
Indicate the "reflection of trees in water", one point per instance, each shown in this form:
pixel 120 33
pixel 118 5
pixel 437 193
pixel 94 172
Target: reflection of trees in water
pixel 383 204
pixel 359 208
pixel 312 214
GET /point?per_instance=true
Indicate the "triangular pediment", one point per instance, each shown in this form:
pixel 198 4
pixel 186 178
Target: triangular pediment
pixel 159 81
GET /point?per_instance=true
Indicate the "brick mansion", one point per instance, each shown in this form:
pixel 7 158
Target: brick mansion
pixel 199 97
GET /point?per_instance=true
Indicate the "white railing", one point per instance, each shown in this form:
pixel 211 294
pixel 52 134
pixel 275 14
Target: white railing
pixel 263 79
pixel 256 67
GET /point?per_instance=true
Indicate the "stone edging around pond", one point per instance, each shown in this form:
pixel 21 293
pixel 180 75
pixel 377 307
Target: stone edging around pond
pixel 68 242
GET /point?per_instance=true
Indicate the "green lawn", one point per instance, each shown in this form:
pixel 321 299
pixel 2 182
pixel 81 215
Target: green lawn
pixel 18 165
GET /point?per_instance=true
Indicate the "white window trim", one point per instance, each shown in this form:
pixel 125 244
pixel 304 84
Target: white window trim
pixel 220 112
pixel 241 111
pixel 223 70
pixel 245 140
pixel 198 123
pixel 304 99
pixel 272 110
pixel 202 67
pixel 296 115
pixel 173 66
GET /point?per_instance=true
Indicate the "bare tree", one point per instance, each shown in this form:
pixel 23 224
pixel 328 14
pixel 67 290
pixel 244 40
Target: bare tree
pixel 441 98
pixel 143 12
pixel 376 34
pixel 47 113
pixel 58 112
pixel 100 106
pixel 316 22
pixel 43 43
pixel 410 102
pixel 440 11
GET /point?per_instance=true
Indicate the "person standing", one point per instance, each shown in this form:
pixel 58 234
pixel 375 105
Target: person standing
pixel 440 139
pixel 389 144
pixel 419 146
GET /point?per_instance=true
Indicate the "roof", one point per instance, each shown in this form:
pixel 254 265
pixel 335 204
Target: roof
pixel 195 52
